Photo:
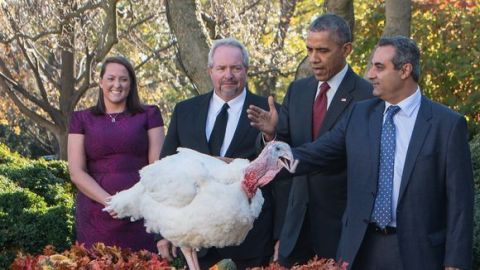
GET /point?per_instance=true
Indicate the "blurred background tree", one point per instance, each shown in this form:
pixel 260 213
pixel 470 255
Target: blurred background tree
pixel 50 51
pixel 447 33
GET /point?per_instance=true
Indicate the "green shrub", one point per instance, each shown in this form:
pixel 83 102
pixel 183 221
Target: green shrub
pixel 7 157
pixel 59 168
pixel 36 206
pixel 48 179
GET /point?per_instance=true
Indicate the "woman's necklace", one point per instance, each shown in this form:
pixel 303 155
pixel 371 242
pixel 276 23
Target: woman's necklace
pixel 113 116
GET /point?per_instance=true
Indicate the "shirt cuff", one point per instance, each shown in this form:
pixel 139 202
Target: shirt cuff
pixel 265 142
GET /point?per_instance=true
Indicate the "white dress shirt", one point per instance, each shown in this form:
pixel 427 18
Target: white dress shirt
pixel 334 83
pixel 404 122
pixel 234 113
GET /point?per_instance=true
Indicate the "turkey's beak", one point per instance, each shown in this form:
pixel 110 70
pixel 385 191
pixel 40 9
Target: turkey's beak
pixel 288 162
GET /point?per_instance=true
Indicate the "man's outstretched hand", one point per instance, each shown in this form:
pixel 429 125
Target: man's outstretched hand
pixel 265 121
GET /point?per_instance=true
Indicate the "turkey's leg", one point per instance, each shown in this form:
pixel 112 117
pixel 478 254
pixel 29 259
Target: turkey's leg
pixel 195 258
pixel 191 257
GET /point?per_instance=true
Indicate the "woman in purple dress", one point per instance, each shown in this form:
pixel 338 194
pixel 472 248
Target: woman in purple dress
pixel 107 145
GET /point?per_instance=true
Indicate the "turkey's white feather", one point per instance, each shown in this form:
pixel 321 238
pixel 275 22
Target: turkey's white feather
pixel 192 199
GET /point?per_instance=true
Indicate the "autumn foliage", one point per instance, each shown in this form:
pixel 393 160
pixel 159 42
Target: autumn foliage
pixel 103 257
pixel 314 264
pixel 98 257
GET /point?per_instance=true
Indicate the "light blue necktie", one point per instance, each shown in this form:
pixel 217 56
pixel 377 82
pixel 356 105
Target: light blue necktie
pixel 382 212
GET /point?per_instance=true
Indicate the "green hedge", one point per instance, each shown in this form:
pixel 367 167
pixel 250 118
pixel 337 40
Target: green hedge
pixel 36 205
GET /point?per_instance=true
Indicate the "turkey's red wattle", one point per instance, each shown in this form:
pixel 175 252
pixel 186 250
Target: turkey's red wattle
pixel 249 183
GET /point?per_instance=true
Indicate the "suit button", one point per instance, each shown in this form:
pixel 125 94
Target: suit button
pixel 367 221
pixel 374 194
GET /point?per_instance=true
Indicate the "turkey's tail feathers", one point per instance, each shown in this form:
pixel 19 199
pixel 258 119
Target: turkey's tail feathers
pixel 126 203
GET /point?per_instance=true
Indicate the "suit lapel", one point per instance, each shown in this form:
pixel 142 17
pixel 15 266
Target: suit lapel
pixel 306 100
pixel 243 126
pixel 375 131
pixel 339 102
pixel 420 131
pixel 201 114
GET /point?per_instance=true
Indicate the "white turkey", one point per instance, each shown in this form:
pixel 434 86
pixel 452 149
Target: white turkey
pixel 196 200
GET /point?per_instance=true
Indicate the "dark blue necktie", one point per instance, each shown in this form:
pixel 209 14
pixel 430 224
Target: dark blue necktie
pixel 382 211
pixel 218 133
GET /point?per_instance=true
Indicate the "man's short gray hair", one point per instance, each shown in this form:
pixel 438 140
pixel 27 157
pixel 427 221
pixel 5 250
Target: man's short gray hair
pixel 231 42
pixel 406 52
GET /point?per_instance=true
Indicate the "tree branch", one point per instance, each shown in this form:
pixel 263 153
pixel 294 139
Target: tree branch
pixel 24 109
pixel 81 10
pixel 34 68
pixel 155 53
pixel 108 37
pixel 47 68
pixel 25 36
pixel 134 25
pixel 86 84
pixel 7 78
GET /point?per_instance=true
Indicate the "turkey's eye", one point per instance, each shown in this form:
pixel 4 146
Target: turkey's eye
pixel 277 148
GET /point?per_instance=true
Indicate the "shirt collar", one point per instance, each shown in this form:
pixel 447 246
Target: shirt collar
pixel 408 105
pixel 235 104
pixel 337 79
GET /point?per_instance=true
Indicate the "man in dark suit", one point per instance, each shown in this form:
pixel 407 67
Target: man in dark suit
pixel 312 222
pixel 194 125
pixel 410 183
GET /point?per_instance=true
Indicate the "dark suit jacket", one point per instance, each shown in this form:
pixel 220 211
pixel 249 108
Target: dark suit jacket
pixel 435 206
pixel 187 129
pixel 325 200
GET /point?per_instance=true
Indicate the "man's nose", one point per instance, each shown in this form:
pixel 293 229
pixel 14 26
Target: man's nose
pixel 228 74
pixel 370 73
pixel 313 58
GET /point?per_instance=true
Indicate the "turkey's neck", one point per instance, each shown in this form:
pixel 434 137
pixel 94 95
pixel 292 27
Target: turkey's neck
pixel 254 171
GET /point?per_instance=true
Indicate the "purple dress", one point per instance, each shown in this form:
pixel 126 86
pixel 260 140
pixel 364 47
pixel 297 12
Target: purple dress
pixel 115 152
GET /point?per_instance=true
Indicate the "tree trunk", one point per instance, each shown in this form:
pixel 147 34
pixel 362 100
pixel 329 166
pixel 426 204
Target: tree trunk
pixel 398 18
pixel 193 43
pixel 62 139
pixel 303 69
pixel 398 14
pixel 342 8
pixel 67 84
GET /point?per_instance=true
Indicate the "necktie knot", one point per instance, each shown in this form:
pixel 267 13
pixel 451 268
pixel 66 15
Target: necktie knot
pixel 225 107
pixel 324 87
pixel 392 110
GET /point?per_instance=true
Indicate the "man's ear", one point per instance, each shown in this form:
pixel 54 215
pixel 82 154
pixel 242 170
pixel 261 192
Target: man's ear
pixel 347 49
pixel 406 71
